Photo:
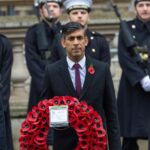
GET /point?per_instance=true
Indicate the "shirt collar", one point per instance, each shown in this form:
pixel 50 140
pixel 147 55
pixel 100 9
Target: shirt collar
pixel 71 63
pixel 148 25
pixel 141 25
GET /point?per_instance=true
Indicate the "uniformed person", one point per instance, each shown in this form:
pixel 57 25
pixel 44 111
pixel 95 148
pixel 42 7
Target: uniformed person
pixel 79 11
pixel 134 89
pixel 6 59
pixel 39 42
pixel 2 123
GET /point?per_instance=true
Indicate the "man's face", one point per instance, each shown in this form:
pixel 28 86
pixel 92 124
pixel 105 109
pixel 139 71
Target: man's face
pixel 75 43
pixel 143 10
pixel 79 15
pixel 54 9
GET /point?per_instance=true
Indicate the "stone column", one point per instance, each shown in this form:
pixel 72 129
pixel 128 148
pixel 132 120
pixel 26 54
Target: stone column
pixel 19 95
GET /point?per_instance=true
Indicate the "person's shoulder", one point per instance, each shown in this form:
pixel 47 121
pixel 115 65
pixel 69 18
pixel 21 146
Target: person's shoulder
pixel 4 39
pixel 33 27
pixel 55 65
pixel 96 34
pixel 131 22
pixel 97 63
pixel 31 31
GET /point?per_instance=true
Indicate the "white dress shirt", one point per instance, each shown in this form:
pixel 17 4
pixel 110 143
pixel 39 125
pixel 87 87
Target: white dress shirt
pixel 72 70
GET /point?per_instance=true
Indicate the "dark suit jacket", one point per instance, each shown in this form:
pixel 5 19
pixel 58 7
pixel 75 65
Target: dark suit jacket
pixel 98 91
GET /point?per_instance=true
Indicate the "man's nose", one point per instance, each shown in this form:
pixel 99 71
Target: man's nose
pixel 76 41
pixel 51 9
pixel 79 15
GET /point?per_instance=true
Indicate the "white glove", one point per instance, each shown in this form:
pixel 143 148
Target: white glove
pixel 145 82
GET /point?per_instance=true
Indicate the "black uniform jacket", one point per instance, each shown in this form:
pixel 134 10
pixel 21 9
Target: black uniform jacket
pixel 133 101
pixel 98 91
pixel 6 59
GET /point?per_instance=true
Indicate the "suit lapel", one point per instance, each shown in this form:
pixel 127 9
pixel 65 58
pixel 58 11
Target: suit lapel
pixel 88 79
pixel 64 73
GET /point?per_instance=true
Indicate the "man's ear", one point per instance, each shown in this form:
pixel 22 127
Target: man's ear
pixel 86 41
pixel 63 43
pixel 89 18
pixel 135 11
pixel 40 11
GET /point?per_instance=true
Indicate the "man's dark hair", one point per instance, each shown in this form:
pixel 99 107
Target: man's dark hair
pixel 71 27
pixel 137 1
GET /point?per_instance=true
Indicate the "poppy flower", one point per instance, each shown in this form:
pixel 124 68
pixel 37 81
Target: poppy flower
pixel 44 118
pixel 42 105
pixel 25 127
pixel 32 117
pixel 91 69
pixel 40 138
pixel 81 127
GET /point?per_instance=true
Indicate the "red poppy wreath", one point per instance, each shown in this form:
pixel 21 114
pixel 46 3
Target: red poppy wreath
pixel 82 117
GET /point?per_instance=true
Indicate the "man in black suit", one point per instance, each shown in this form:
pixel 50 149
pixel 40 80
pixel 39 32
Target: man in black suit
pixel 96 87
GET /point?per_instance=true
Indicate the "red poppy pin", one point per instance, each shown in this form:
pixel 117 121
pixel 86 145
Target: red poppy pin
pixel 91 69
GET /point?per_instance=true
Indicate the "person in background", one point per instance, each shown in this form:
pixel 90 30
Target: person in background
pixel 6 60
pixel 95 88
pixel 79 11
pixel 39 42
pixel 2 125
pixel 134 90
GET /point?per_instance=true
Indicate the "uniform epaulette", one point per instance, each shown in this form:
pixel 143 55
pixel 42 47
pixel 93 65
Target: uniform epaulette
pixel 33 26
pixel 97 34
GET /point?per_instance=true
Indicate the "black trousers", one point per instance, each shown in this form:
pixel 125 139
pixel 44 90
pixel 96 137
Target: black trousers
pixel 130 144
pixel 65 139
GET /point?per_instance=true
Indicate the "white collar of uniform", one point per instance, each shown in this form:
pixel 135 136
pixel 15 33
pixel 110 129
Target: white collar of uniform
pixel 71 63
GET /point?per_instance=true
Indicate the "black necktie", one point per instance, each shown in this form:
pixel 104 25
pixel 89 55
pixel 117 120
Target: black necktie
pixel 77 78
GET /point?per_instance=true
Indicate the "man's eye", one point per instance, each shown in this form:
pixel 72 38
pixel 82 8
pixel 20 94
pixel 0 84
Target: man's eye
pixel 83 13
pixel 148 5
pixel 80 37
pixel 71 38
pixel 75 13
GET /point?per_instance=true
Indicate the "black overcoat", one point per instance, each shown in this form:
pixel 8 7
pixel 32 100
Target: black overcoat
pixel 133 101
pixel 98 91
pixel 2 124
pixel 6 59
pixel 37 58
